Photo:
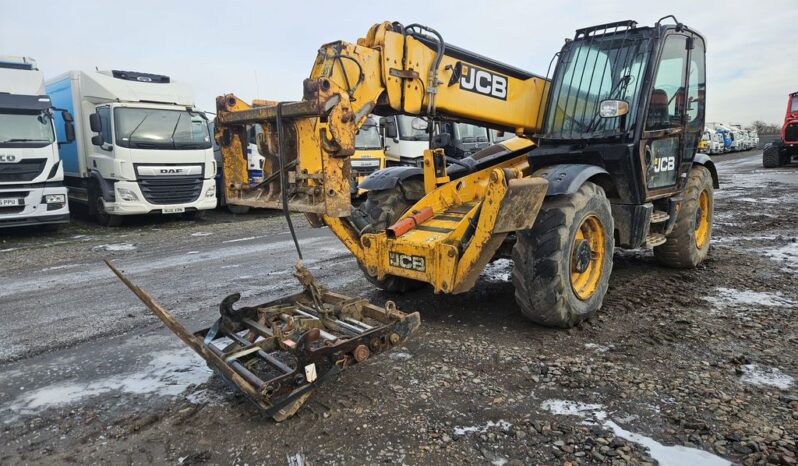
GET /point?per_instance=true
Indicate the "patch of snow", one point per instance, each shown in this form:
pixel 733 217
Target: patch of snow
pixel 60 267
pixel 114 247
pixel 676 455
pixel 462 431
pixel 730 297
pixel 238 240
pixel 575 408
pixel 192 252
pixel 596 347
pixel 786 255
pixel 400 356
pixel 500 270
pixel 167 374
pixel 201 234
pixel 753 374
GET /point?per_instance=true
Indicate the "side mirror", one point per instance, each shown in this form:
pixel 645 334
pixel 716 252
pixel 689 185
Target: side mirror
pixel 95 124
pixel 419 124
pixel 388 125
pixel 613 108
pixel 67 116
pixel 69 132
pixel 97 140
pixel 441 140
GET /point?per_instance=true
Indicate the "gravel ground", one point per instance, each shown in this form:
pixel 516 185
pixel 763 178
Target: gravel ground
pixel 679 367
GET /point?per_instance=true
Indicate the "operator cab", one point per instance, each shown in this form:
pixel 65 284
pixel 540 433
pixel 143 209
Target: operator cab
pixel 631 100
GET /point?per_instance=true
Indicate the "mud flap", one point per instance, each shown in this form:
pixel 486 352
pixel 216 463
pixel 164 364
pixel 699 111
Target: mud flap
pixel 277 353
pixel 517 210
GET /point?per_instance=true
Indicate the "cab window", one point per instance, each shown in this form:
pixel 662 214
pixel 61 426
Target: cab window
pixel 666 105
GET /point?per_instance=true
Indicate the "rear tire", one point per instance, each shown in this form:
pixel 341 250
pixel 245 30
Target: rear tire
pixel 771 157
pixel 380 210
pixel 549 288
pixel 688 243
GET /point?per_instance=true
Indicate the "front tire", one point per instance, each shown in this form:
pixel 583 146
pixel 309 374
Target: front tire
pixel 688 243
pixel 100 215
pixel 380 210
pixel 562 265
pixel 771 157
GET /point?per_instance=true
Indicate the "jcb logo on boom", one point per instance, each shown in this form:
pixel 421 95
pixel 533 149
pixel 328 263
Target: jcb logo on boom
pixel 8 158
pixel 484 82
pixel 405 261
pixel 664 164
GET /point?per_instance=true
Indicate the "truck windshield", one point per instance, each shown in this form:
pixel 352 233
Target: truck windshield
pixel 591 70
pixel 470 133
pixel 148 128
pixel 368 137
pixel 407 132
pixel 26 129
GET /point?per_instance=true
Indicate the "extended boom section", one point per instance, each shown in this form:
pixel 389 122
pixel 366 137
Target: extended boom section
pixel 395 70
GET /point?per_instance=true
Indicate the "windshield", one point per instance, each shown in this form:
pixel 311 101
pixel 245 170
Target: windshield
pixel 406 131
pixel 31 128
pixel 591 70
pixel 149 128
pixel 470 133
pixel 368 137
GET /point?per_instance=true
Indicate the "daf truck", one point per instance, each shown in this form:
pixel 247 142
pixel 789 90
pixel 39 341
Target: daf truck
pixel 141 146
pixel 32 188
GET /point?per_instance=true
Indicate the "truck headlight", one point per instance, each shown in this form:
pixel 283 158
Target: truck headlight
pixel 126 195
pixel 55 199
pixel 211 192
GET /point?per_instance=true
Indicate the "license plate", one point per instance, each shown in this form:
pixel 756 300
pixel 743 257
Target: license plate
pixel 174 210
pixel 365 163
pixel 11 202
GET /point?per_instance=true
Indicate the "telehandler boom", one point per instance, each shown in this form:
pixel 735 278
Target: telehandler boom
pixel 605 156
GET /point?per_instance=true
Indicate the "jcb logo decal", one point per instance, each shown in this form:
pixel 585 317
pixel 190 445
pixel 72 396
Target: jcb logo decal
pixel 484 82
pixel 405 261
pixel 664 164
pixel 8 158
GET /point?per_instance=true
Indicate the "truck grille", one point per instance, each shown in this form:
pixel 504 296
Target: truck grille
pixel 25 170
pixel 791 133
pixel 171 189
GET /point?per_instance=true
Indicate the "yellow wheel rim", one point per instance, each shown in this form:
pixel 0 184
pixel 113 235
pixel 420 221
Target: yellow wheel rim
pixel 587 257
pixel 702 220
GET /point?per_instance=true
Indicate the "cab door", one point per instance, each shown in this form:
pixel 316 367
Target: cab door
pixel 674 117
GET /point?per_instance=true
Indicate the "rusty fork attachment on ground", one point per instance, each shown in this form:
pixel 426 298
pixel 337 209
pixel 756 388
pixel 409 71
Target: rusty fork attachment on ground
pixel 277 353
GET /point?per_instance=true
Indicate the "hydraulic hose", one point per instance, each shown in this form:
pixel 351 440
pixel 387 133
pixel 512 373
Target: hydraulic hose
pixel 283 177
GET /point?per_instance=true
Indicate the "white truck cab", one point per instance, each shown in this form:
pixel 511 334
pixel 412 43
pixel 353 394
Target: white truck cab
pixel 31 174
pixel 141 146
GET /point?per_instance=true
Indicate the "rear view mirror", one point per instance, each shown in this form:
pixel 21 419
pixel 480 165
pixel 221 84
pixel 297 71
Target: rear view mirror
pixel 97 139
pixel 69 132
pixel 613 108
pixel 95 124
pixel 441 140
pixel 67 116
pixel 419 124
pixel 388 125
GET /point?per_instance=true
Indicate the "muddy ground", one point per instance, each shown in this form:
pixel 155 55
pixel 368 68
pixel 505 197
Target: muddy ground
pixel 678 367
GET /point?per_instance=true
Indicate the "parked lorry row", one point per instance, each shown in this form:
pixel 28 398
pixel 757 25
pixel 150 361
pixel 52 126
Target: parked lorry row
pixel 719 139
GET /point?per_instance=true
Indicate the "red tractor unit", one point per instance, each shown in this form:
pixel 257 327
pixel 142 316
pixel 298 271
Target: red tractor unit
pixel 785 149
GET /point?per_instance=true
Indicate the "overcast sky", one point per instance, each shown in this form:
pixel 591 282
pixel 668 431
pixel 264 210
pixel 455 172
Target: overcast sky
pixel 265 49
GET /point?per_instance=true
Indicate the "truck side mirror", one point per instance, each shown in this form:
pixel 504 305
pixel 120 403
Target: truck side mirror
pixel 388 125
pixel 69 127
pixel 441 140
pixel 95 125
pixel 97 139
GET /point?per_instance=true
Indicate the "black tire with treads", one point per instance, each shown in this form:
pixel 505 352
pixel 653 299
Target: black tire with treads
pixel 542 256
pixel 380 210
pixel 680 251
pixel 771 157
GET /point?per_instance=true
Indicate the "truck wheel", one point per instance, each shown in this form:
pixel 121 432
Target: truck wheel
pixel 238 209
pixel 100 215
pixel 380 210
pixel 770 157
pixel 688 243
pixel 562 265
